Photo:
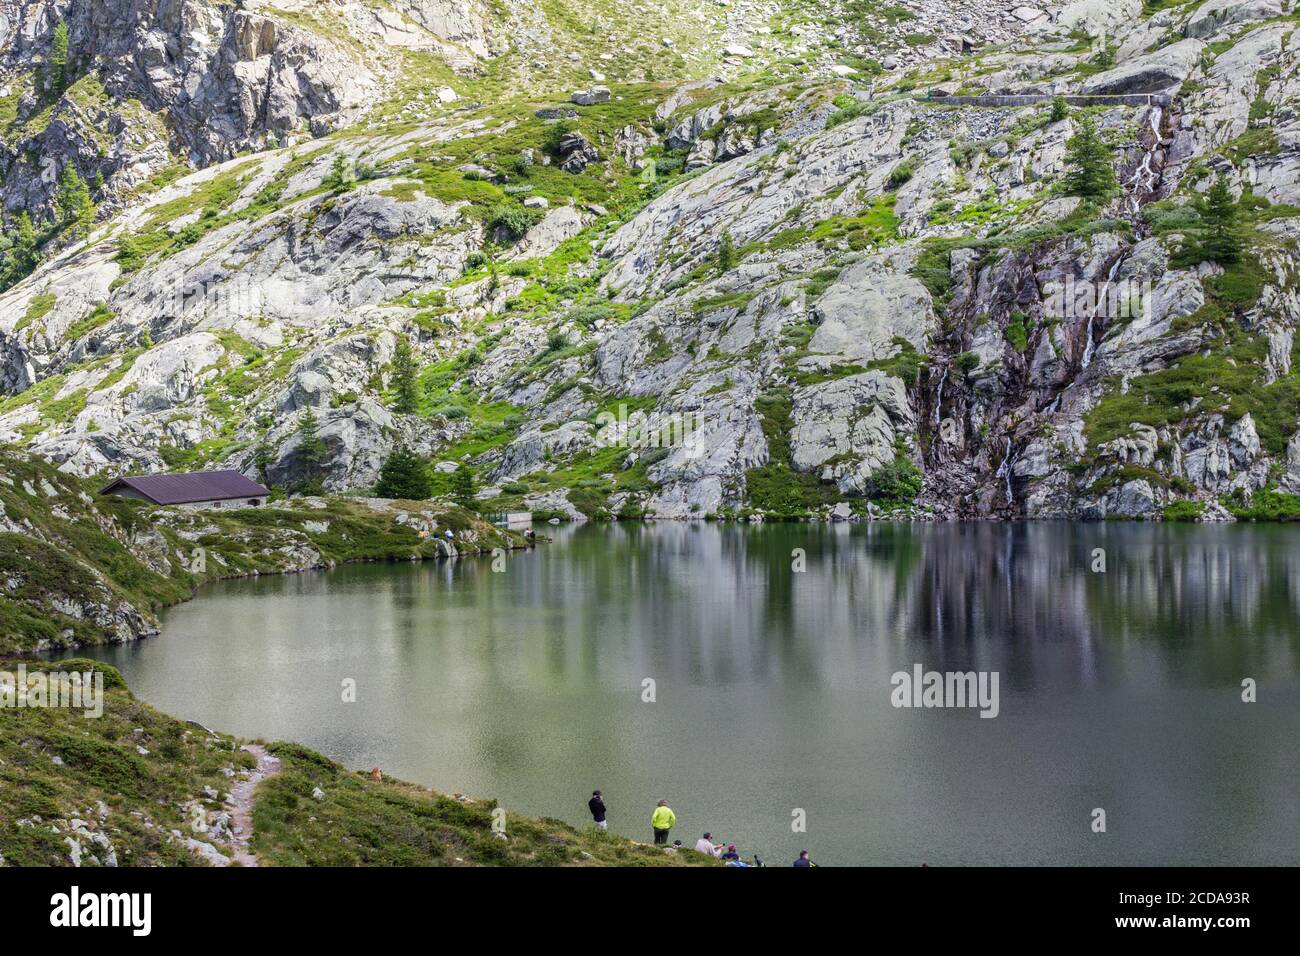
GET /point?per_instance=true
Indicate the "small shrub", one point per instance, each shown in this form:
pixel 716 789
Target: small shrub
pixel 510 221
pixel 895 481
pixel 902 173
pixel 1184 510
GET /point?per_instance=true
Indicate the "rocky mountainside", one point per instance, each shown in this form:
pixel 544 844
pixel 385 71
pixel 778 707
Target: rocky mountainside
pixel 715 258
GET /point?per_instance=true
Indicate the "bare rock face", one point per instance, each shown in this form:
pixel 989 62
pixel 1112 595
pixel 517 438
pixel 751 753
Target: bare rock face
pixel 849 427
pixel 1095 16
pixel 216 80
pixel 577 153
pixel 597 94
pixel 1215 15
pixel 118 143
pixel 866 310
pixel 458 22
pixel 1155 72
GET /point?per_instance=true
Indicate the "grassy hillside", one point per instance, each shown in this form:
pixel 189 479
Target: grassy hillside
pixel 128 787
pixel 363 823
pixel 76 568
pixel 116 785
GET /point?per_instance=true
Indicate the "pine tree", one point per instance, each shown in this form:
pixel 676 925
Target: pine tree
pixel 20 252
pixel 262 460
pixel 73 199
pixel 58 63
pixel 726 253
pixel 403 475
pixel 405 383
pixel 1223 240
pixel 462 486
pixel 342 175
pixel 311 452
pixel 1088 159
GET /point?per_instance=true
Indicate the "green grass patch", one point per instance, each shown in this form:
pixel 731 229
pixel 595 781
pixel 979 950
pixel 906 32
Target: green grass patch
pixel 99 316
pixel 38 307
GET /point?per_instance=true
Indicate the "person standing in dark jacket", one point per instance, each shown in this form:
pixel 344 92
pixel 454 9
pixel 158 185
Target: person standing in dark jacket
pixel 597 807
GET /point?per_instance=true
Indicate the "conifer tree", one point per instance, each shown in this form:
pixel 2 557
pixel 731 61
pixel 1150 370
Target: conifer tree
pixel 1090 173
pixel 311 452
pixel 73 199
pixel 462 486
pixel 58 62
pixel 405 383
pixel 262 460
pixel 1223 240
pixel 20 251
pixel 403 475
pixel 726 253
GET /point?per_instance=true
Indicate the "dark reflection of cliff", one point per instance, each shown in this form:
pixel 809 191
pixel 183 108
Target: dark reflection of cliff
pixel 723 603
pixel 1230 591
pixel 1213 603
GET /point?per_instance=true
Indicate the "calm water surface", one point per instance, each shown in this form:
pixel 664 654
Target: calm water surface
pixel 1119 690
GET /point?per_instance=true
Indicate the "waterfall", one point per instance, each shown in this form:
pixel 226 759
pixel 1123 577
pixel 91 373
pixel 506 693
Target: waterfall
pixel 1144 181
pixel 1146 177
pixel 1096 307
pixel 1004 471
pixel 938 395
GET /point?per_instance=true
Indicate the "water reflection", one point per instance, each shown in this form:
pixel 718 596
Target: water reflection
pixel 1120 688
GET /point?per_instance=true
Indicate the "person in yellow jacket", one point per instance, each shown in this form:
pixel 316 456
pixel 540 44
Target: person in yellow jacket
pixel 662 820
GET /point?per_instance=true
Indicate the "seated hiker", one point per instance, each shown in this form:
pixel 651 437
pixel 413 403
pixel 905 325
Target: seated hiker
pixel 706 845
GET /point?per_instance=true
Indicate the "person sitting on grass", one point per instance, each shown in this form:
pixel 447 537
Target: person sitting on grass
pixel 706 845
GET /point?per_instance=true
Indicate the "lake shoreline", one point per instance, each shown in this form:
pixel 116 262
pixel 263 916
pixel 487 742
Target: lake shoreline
pixel 48 653
pixel 82 569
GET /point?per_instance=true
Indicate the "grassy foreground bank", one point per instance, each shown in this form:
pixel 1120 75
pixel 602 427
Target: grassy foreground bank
pixel 136 787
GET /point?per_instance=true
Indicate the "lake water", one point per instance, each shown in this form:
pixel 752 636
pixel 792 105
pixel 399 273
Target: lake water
pixel 1118 690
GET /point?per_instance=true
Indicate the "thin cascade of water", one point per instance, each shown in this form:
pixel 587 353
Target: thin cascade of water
pixel 938 395
pixel 1144 178
pixel 1097 307
pixel 1004 470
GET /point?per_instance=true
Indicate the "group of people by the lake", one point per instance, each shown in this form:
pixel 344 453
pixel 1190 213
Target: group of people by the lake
pixel 662 820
